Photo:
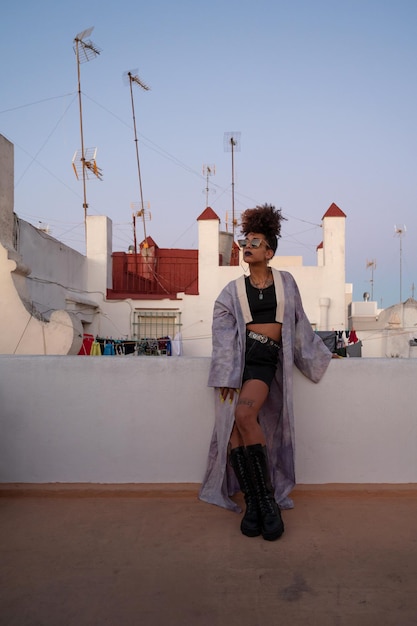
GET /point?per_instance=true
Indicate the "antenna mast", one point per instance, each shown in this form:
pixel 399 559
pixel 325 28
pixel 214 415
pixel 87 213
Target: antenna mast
pixel 400 232
pixel 372 265
pixel 232 144
pixel 131 77
pixel 85 51
pixel 208 170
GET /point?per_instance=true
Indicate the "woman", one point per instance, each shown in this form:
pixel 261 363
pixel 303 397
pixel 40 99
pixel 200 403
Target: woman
pixel 259 331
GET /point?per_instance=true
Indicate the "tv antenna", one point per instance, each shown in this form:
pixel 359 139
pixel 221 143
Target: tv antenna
pixel 400 230
pixel 86 166
pixel 232 144
pixel 129 78
pixel 85 51
pixel 371 264
pixel 208 170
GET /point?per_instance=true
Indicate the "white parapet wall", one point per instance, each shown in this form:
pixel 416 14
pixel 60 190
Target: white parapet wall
pixel 123 420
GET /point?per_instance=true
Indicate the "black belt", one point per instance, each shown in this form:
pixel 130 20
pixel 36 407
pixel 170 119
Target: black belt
pixel 262 339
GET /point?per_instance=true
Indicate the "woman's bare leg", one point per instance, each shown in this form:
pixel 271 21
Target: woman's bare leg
pixel 251 398
pixel 235 439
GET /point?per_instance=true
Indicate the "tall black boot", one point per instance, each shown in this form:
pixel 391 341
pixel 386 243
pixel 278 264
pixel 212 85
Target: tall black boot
pixel 272 524
pixel 251 521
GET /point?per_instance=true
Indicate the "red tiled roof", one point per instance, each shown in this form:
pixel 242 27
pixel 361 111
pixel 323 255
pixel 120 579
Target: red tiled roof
pixel 333 211
pixel 319 246
pixel 208 214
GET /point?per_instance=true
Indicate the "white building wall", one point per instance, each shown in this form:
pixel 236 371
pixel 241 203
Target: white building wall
pixel 334 263
pixel 56 270
pixel 99 234
pixel 67 269
pixel 196 311
pixel 149 420
pixel 6 192
pixel 386 332
pixel 22 329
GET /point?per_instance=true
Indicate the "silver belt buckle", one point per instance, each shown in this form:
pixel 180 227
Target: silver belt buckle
pixel 259 337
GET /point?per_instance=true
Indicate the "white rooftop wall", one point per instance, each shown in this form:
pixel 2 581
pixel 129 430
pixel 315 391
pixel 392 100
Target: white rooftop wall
pixel 149 420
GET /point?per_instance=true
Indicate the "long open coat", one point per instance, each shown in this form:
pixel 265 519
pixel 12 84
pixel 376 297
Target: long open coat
pixel 300 346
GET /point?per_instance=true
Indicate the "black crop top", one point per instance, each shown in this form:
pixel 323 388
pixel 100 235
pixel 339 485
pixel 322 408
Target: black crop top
pixel 263 310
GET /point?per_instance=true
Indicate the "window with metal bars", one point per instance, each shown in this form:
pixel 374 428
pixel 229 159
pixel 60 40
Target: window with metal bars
pixel 152 328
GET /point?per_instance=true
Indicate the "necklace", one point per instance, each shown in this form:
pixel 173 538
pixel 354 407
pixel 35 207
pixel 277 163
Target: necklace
pixel 267 282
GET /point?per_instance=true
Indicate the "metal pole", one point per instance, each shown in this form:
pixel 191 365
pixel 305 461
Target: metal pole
pixel 135 245
pixel 401 252
pixel 233 190
pixel 85 205
pixel 134 233
pixel 372 282
pixel 137 157
pixel 207 187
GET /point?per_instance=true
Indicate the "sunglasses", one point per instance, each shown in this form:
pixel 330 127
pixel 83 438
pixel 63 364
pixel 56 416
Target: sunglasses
pixel 253 243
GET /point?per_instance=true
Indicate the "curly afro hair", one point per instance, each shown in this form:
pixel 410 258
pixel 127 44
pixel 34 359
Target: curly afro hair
pixel 265 219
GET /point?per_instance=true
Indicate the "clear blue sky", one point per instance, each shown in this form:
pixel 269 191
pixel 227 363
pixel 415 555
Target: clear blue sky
pixel 323 92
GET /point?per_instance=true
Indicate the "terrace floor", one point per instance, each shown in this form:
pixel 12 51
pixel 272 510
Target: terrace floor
pixel 153 556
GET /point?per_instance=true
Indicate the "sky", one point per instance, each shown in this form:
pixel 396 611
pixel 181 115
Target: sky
pixel 320 95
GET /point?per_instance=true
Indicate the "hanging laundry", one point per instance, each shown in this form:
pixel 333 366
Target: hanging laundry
pixel 353 337
pixel 340 339
pixel 119 348
pixel 85 349
pixel 95 349
pixel 177 344
pixel 109 349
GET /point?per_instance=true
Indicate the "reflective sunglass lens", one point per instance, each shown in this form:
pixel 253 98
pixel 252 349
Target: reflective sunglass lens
pixel 254 243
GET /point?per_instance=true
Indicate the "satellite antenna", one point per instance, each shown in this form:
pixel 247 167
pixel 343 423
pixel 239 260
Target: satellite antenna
pixel 129 78
pixel 371 264
pixel 85 51
pixel 399 230
pixel 208 170
pixel 232 144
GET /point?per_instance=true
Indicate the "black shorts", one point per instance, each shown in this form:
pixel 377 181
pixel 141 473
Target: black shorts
pixel 261 358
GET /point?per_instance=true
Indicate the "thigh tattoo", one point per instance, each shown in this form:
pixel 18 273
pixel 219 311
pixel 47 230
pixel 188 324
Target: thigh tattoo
pixel 246 401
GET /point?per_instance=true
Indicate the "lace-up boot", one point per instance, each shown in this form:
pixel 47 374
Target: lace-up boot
pixel 251 521
pixel 272 524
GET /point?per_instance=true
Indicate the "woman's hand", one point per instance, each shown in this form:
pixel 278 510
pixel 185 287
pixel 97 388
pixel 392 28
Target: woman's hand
pixel 227 392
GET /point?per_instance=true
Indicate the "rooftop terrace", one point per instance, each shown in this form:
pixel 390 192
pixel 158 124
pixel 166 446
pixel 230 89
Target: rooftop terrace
pixel 100 525
pixel 151 556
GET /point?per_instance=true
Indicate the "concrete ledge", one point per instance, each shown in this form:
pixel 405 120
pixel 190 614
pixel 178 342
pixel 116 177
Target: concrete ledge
pixel 81 420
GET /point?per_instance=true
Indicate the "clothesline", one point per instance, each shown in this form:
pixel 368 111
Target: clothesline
pixel 100 346
pixel 341 342
pixel 105 346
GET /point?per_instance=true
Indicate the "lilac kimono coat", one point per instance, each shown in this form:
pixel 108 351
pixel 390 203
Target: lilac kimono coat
pixel 300 346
